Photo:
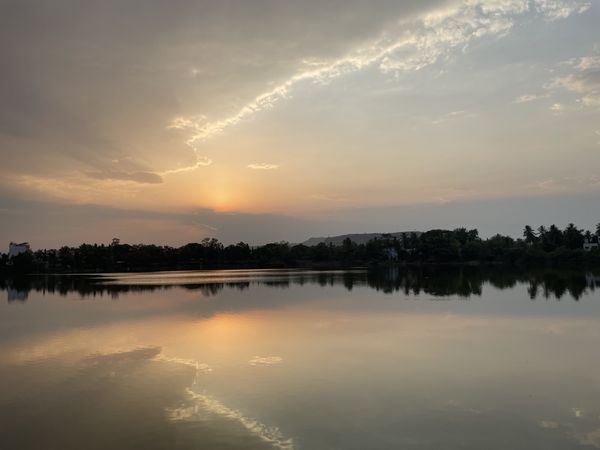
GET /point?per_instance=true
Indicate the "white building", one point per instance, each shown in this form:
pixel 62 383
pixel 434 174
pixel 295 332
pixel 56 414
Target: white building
pixel 593 281
pixel 15 249
pixel 391 254
pixel 591 244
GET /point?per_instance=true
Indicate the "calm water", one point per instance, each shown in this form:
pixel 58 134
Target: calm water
pixel 301 360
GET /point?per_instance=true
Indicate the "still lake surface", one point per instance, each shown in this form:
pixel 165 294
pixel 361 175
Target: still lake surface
pixel 453 359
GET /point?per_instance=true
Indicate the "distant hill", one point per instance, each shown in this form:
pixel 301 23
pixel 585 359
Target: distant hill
pixel 361 238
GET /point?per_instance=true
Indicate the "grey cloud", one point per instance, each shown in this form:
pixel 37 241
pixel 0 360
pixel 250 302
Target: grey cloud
pixel 74 72
pixel 93 81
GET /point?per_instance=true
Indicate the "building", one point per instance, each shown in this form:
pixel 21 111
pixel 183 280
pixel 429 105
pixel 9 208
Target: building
pixel 15 249
pixel 593 281
pixel 591 244
pixel 16 295
pixel 390 253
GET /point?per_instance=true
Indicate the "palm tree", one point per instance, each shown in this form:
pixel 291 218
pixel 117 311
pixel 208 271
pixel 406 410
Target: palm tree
pixel 543 236
pixel 542 232
pixel 529 235
pixel 573 237
pixel 555 236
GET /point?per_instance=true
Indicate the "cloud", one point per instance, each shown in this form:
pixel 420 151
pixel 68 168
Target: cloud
pixel 136 177
pixel 85 85
pixel 585 80
pixel 201 161
pixel 405 47
pixel 589 62
pixel 548 424
pixel 452 115
pixel 265 360
pixel 201 368
pixel 92 93
pixel 591 101
pixel 556 9
pixel 263 166
pixel 557 107
pixel 88 84
pixel 591 438
pixel 526 98
pixel 564 184
pixel 76 187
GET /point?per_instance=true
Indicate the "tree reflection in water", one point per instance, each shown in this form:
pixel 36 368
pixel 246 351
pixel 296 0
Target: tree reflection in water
pixel 435 281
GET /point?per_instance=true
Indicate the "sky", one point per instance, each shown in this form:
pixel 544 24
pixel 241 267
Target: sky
pixel 269 120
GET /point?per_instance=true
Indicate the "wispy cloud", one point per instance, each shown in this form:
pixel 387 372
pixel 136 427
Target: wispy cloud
pixel 566 184
pixel 452 115
pixel 75 186
pixel 589 62
pixel 201 161
pixel 526 98
pixel 584 80
pixel 265 360
pixel 548 424
pixel 263 166
pixel 406 47
pixel 591 101
pixel 556 9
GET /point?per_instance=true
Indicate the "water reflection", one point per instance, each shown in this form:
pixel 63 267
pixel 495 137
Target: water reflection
pixel 437 282
pixel 302 360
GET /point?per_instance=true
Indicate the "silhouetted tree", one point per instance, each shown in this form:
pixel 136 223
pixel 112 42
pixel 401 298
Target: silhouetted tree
pixel 529 235
pixel 573 237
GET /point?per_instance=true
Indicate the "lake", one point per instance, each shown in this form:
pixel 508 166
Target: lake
pixel 288 359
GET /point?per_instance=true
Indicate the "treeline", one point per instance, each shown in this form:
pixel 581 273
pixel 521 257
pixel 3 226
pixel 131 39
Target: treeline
pixel 546 246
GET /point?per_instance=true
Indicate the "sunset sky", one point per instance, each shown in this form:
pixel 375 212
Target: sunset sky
pixel 266 120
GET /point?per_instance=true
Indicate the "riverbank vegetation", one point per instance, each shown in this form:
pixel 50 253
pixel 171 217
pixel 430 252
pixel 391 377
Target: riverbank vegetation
pixel 547 246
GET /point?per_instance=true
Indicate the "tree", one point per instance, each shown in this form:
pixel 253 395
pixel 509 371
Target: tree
pixel 473 235
pixel 542 232
pixel 348 248
pixel 573 237
pixel 462 235
pixel 23 262
pixel 65 258
pixel 554 237
pixel 529 235
pixel 238 252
